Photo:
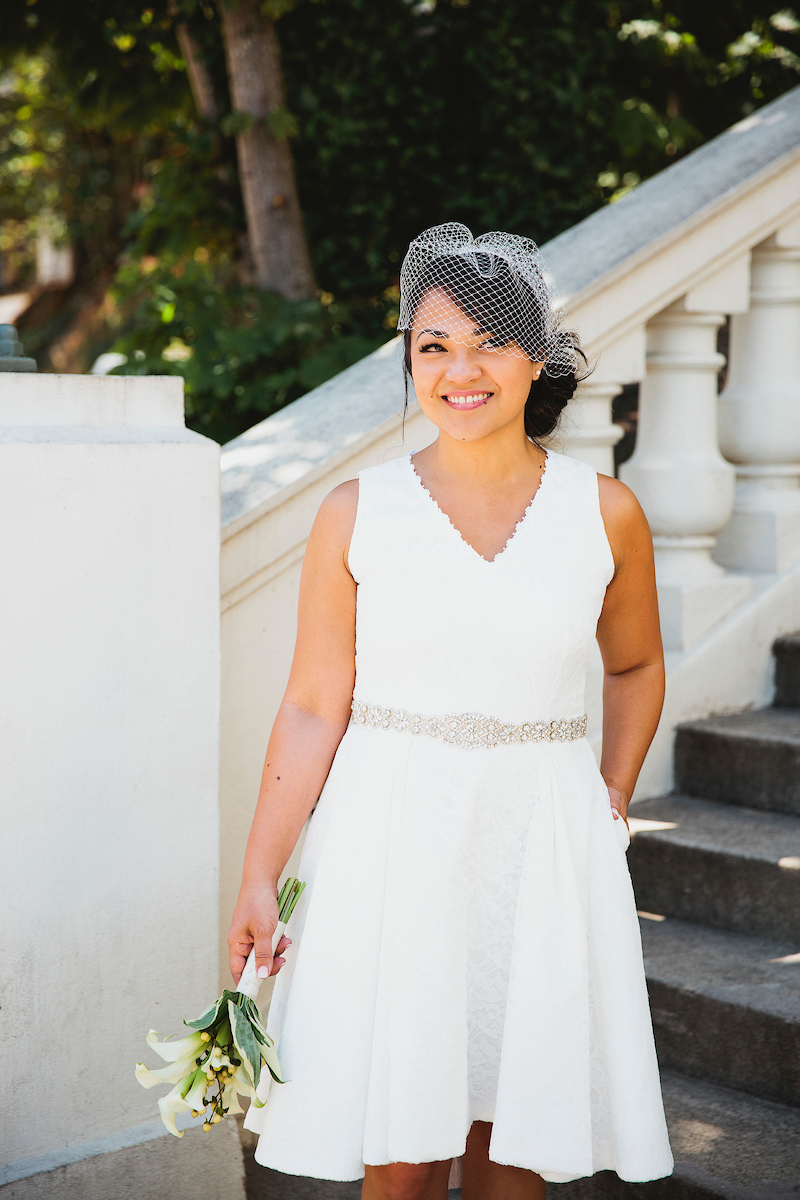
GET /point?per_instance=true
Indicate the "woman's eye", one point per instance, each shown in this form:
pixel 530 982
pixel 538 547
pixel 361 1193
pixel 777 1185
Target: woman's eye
pixel 495 343
pixel 429 346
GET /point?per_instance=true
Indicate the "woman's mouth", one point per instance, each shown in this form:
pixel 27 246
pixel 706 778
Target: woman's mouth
pixel 464 400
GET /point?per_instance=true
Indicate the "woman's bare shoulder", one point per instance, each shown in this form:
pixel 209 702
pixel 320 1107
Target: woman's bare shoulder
pixel 624 519
pixel 618 504
pixel 342 502
pixel 336 518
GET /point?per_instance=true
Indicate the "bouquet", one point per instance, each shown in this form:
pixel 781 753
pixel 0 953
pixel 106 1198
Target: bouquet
pixel 224 1056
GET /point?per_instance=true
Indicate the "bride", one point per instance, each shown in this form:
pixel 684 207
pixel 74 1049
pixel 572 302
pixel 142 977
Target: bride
pixel 465 982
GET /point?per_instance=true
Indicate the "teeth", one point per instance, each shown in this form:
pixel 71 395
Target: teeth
pixel 469 399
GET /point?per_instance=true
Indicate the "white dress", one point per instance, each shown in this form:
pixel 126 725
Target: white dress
pixel 467 947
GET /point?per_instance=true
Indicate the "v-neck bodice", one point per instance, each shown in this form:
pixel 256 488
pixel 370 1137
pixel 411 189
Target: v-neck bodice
pixel 440 629
pixel 458 532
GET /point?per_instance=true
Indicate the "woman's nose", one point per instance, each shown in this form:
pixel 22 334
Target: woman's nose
pixel 464 368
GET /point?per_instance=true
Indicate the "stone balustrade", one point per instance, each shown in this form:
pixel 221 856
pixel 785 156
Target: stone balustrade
pixel 760 413
pixel 716 236
pixel 717 475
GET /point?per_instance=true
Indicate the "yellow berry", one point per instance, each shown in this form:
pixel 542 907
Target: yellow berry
pixel 206 1125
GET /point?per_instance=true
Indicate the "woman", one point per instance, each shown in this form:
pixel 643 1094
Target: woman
pixel 467 981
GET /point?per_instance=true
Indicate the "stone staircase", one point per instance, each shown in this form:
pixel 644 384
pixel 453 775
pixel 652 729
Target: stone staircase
pixel 716 869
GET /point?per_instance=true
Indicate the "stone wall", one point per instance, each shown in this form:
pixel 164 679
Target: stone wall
pixel 109 660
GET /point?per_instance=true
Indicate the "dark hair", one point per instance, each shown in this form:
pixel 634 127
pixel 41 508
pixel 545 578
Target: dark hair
pixel 483 295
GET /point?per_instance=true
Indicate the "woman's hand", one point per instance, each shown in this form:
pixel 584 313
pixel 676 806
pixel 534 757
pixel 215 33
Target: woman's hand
pixel 254 922
pixel 619 803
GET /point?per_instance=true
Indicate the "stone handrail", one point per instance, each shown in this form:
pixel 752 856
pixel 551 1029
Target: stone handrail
pixel 648 283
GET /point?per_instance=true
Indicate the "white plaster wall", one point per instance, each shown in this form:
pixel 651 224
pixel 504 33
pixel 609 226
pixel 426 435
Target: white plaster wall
pixel 109 706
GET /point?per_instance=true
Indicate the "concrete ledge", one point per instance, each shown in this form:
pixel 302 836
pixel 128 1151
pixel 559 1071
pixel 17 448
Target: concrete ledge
pixel 95 400
pixel 265 465
pixel 200 1166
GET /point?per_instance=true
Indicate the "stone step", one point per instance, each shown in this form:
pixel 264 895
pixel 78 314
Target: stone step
pixel 787 671
pixel 716 864
pixel 727 1145
pixel 726 1006
pixel 750 758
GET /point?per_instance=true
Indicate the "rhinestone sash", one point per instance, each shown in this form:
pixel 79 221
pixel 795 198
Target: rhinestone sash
pixel 469 730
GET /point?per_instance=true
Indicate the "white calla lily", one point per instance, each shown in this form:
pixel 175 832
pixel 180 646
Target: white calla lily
pixel 243 1083
pixel 172 1073
pixel 230 1101
pixel 169 1106
pixel 172 1051
pixel 196 1096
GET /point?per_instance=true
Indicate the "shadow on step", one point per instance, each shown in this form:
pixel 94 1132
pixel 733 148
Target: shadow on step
pixel 687 1183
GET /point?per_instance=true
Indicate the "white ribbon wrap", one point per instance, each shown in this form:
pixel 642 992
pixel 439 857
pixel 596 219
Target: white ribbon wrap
pixel 249 983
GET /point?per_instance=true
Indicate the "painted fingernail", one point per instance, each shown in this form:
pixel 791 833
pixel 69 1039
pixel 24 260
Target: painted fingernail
pixel 263 972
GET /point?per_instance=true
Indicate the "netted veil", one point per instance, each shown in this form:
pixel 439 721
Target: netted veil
pixel 500 280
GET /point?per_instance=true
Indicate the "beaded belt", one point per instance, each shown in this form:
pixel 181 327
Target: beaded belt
pixel 468 729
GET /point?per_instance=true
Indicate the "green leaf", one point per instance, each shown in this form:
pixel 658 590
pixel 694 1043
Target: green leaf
pixel 251 1008
pixel 258 1039
pixel 237 122
pixel 276 8
pixel 282 123
pixel 245 1042
pixel 208 1018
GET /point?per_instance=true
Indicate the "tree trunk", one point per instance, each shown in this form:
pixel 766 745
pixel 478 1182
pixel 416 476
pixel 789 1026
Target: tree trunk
pixel 200 80
pixel 266 169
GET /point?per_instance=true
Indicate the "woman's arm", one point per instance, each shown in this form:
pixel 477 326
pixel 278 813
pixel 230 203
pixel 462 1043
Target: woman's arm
pixel 630 642
pixel 308 728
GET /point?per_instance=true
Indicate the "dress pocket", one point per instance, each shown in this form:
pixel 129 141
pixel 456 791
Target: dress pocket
pixel 623 832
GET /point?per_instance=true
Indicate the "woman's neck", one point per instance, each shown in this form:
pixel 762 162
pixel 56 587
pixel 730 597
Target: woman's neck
pixel 502 458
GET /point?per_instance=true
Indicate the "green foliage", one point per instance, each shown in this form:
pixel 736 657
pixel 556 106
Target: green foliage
pixel 402 114
pixel 88 106
pixel 243 354
pixel 505 114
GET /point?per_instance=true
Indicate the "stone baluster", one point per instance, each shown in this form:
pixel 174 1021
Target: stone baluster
pixel 760 414
pixel 587 431
pixel 677 471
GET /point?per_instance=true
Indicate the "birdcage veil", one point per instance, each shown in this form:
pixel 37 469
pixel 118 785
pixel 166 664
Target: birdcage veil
pixel 498 279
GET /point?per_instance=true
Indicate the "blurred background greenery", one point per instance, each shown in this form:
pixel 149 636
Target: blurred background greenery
pixel 119 139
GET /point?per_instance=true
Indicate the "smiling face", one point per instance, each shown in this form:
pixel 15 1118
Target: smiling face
pixel 465 382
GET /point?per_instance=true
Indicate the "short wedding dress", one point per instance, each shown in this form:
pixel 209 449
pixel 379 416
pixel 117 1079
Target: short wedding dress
pixel 467 947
